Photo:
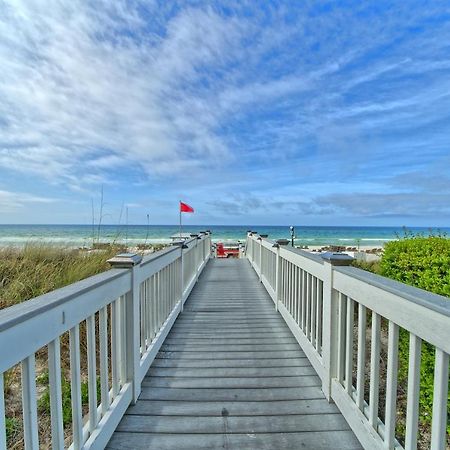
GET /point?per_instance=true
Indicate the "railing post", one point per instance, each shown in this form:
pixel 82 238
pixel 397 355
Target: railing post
pixel 330 319
pixel 260 258
pixel 183 246
pixel 132 317
pixel 277 276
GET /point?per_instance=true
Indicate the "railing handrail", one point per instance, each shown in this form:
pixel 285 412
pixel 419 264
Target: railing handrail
pixel 126 313
pixel 16 314
pixel 435 302
pixel 327 304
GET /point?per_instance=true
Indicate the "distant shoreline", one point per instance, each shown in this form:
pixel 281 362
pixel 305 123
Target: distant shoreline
pixel 77 236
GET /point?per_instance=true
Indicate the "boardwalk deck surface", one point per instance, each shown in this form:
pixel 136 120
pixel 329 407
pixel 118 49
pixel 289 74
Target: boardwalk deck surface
pixel 230 375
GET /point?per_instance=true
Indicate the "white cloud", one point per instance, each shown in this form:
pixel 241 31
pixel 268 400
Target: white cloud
pixel 86 87
pixel 12 201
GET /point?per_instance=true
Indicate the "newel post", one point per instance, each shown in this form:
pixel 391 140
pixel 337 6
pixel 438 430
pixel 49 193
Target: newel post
pixel 132 262
pixel 330 318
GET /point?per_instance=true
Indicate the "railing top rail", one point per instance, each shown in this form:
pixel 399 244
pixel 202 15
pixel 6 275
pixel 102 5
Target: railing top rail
pixel 172 248
pixel 297 251
pixel 21 312
pixel 437 303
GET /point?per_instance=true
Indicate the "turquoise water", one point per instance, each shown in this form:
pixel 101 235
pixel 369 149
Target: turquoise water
pixel 81 235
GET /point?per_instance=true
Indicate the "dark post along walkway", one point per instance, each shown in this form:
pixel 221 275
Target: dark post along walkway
pixel 231 375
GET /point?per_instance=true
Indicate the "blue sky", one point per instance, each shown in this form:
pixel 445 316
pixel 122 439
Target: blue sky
pixel 312 112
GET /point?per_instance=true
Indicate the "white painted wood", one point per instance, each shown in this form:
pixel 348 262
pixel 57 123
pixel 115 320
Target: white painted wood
pixel 440 396
pixel 268 287
pixel 143 315
pixel 56 313
pixel 391 385
pixel 319 318
pixel 2 414
pixel 428 323
pixel 29 404
pixel 104 375
pixel 365 433
pixel 308 349
pixel 431 326
pixel 75 387
pixel 131 335
pixel 412 409
pixel 374 370
pixel 71 309
pixel 156 262
pixel 304 294
pixel 361 362
pixel 308 306
pixel 349 346
pixel 114 350
pixel 342 311
pixel 54 382
pixel 153 349
pixel 108 424
pixel 92 372
pixel 329 329
pixel 307 262
pixel 313 311
pixel 277 279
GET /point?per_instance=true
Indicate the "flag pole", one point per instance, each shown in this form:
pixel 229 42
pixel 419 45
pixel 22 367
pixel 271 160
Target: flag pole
pixel 179 207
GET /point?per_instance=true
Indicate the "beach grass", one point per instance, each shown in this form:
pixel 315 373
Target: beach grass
pixel 37 269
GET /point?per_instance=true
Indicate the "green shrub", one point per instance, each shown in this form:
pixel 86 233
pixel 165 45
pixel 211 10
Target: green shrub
pixel 420 261
pixel 423 262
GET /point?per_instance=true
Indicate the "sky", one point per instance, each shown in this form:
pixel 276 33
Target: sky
pixel 253 112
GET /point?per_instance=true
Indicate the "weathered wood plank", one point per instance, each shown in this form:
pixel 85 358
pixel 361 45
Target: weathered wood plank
pixel 337 440
pixel 257 424
pixel 231 355
pixel 185 408
pixel 232 382
pixel 219 395
pixel 202 372
pixel 230 340
pixel 231 375
pixel 230 347
pixel 216 363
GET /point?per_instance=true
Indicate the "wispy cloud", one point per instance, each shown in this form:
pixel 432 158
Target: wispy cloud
pixel 12 201
pixel 258 103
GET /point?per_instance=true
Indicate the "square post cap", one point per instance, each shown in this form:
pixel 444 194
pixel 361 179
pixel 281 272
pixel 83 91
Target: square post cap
pixel 337 259
pixel 264 235
pixel 125 260
pixel 282 241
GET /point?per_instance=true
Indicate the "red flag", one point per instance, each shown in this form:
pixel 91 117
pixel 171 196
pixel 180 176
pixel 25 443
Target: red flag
pixel 184 207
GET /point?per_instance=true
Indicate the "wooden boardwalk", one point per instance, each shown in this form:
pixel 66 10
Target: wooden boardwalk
pixel 231 375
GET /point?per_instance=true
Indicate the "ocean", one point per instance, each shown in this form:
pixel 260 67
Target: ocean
pixel 82 235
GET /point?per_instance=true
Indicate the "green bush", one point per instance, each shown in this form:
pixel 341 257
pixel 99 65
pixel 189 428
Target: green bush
pixel 423 262
pixel 420 261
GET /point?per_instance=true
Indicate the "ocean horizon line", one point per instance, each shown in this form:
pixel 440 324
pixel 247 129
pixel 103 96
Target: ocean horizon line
pixel 425 227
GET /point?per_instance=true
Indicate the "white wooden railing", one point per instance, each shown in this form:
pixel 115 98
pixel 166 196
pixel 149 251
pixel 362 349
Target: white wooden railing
pixel 126 314
pixel 327 306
